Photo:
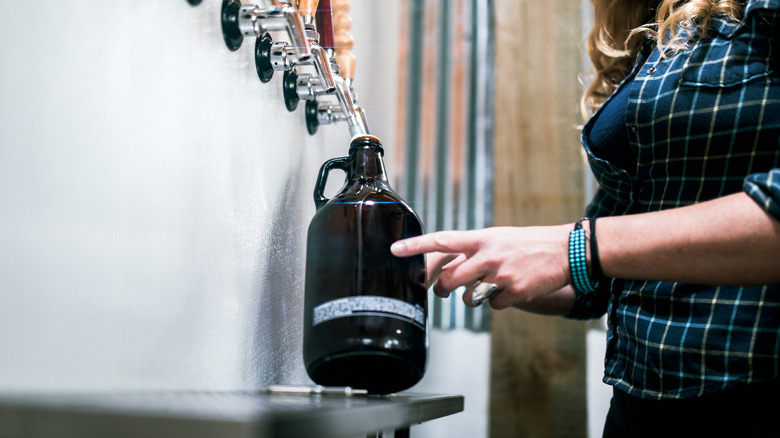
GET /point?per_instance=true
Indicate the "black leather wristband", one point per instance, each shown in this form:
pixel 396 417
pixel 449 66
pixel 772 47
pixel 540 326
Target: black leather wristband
pixel 595 263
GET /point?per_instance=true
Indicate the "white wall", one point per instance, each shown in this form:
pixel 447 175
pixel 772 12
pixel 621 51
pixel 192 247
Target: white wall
pixel 459 364
pixel 154 198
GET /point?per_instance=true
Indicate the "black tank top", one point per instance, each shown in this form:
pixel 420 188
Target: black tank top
pixel 609 134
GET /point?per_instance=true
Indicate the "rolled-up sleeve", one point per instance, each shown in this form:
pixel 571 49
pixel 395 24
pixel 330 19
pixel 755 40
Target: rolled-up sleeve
pixel 764 188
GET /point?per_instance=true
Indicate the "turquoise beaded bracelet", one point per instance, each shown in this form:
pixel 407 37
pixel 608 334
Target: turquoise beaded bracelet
pixel 577 261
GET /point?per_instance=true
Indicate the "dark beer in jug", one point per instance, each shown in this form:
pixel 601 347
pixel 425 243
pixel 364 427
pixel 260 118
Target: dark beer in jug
pixel 365 321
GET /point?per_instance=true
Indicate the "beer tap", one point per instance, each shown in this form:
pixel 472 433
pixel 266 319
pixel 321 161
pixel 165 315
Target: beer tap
pixel 305 85
pixel 240 21
pixel 346 107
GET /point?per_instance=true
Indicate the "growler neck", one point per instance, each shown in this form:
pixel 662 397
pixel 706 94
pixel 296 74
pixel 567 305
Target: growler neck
pixel 366 163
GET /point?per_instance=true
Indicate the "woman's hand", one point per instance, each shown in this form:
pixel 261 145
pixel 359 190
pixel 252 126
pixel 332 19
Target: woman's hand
pixel 729 241
pixel 529 264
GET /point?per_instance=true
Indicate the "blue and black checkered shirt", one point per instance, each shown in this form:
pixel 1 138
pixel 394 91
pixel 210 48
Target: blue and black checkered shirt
pixel 701 123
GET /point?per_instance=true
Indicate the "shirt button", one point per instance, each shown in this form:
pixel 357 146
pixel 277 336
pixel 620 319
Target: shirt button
pixel 634 129
pixel 651 70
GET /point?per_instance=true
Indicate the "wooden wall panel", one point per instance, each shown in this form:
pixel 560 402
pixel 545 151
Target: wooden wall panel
pixel 538 363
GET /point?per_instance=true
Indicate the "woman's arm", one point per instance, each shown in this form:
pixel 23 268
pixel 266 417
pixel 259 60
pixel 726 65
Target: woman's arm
pixel 727 241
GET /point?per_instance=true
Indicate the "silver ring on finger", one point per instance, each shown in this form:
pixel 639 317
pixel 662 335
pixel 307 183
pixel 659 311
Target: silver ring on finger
pixel 484 291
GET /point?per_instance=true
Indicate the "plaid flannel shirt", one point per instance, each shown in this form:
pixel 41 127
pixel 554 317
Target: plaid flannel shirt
pixel 702 123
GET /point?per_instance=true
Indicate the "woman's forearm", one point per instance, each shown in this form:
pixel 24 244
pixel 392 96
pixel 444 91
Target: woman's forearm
pixel 726 241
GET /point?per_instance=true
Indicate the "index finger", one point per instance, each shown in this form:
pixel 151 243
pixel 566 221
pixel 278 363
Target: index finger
pixel 441 241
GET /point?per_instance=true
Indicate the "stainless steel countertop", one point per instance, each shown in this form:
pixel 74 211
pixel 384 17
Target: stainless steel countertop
pixel 214 414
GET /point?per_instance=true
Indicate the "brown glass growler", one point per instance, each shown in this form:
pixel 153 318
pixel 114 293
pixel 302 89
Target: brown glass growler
pixel 365 320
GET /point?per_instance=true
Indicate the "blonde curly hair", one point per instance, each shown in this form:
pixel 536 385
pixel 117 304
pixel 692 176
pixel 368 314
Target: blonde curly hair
pixel 620 26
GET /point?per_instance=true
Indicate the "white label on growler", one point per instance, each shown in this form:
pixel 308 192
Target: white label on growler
pixel 369 306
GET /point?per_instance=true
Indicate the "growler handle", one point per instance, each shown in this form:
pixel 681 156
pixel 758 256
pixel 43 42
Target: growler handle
pixel 341 163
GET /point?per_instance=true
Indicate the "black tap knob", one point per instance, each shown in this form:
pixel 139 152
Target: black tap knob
pixel 263 65
pixel 230 30
pixel 290 89
pixel 312 116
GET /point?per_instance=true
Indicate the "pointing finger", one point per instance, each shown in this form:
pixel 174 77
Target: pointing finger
pixel 442 241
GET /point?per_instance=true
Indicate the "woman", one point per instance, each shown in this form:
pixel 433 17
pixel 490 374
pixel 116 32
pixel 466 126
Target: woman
pixel 685 260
